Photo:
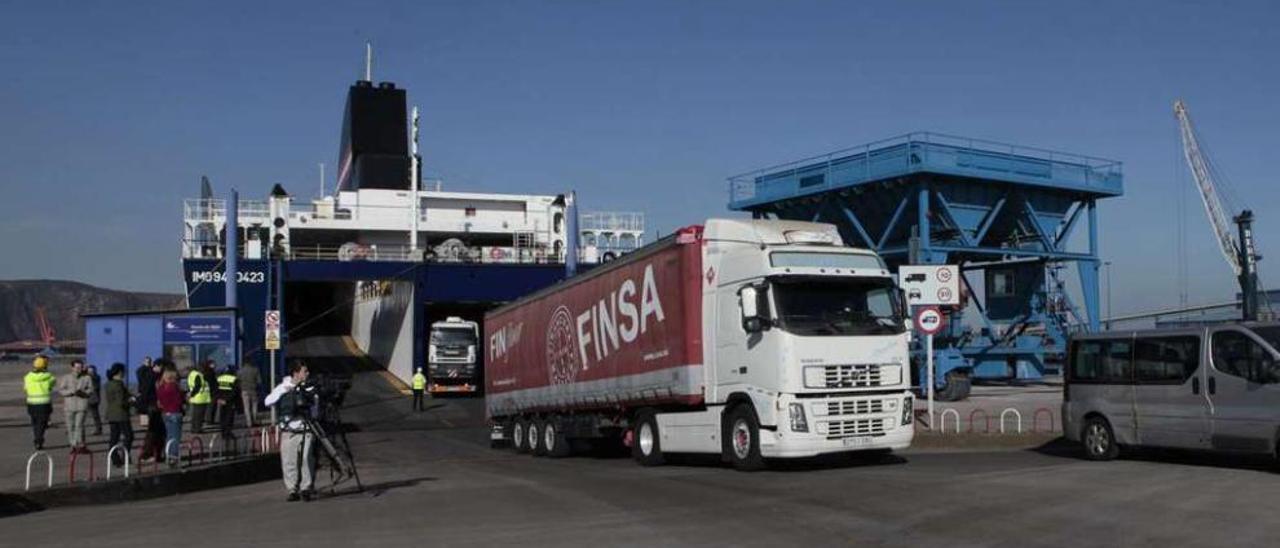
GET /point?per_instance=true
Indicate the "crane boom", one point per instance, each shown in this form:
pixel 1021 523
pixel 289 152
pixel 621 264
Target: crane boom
pixel 1208 190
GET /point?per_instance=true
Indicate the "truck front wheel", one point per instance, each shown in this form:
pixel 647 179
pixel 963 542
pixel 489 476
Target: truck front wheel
pixel 742 439
pixel 646 448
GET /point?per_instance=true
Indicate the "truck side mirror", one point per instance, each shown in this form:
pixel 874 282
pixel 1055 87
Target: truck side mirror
pixel 753 319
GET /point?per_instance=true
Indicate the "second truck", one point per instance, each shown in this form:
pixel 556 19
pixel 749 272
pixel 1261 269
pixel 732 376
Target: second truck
pixel 453 355
pixel 749 339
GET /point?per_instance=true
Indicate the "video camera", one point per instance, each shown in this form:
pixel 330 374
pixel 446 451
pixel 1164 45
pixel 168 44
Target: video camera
pixel 324 394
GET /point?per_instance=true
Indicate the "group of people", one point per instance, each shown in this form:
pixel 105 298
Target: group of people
pixel 161 402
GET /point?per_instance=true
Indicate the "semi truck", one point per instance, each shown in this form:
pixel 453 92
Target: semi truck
pixel 746 338
pixel 452 354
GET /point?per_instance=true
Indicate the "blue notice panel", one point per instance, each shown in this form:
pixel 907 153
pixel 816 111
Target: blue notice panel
pixel 198 329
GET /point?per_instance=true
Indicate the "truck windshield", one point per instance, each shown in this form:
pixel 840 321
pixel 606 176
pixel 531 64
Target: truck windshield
pixel 452 336
pixel 837 306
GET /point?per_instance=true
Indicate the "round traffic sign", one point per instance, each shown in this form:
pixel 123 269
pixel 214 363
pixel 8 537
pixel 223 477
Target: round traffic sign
pixel 928 320
pixel 944 274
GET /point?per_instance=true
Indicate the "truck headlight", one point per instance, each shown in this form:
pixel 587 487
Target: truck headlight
pixel 907 410
pixel 798 421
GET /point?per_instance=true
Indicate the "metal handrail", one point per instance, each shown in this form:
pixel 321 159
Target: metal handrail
pixel 71 465
pixel 1017 414
pixel 927 137
pixel 942 420
pixel 112 451
pixel 48 459
pixel 745 185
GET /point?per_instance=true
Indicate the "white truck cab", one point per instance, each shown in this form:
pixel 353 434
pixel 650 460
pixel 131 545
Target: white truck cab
pixel 805 344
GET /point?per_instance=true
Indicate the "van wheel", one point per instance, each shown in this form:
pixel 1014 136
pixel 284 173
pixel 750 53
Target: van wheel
pixel 646 447
pixel 553 439
pixel 1099 441
pixel 742 439
pixel 956 388
pixel 519 438
pixel 535 438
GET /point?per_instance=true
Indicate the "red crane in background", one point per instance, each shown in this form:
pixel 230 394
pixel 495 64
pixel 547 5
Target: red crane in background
pixel 47 334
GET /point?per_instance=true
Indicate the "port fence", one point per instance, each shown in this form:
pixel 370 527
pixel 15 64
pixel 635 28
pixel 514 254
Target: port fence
pixel 191 451
pixel 1008 420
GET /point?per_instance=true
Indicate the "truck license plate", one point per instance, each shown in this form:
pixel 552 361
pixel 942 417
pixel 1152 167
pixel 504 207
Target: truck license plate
pixel 858 441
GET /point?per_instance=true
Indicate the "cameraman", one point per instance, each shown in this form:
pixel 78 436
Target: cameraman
pixel 294 400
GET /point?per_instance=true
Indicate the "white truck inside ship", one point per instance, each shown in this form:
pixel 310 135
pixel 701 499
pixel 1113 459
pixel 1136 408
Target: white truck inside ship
pixel 803 351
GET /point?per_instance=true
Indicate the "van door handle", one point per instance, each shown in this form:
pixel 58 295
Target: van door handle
pixel 1195 386
pixel 1213 386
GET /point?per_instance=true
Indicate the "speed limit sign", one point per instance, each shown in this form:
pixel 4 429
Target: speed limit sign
pixel 928 320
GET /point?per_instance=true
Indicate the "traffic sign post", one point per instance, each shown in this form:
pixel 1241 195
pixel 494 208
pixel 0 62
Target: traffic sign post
pixel 928 321
pixel 271 328
pixel 932 284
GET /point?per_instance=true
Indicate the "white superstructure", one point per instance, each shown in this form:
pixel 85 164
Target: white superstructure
pixel 376 224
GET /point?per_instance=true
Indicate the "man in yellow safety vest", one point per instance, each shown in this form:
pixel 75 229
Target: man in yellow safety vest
pixel 38 384
pixel 199 395
pixel 419 385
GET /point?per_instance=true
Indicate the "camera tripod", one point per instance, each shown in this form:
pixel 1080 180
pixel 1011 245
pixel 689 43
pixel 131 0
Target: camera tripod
pixel 342 462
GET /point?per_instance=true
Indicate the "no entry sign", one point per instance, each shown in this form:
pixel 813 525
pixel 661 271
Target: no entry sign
pixel 928 320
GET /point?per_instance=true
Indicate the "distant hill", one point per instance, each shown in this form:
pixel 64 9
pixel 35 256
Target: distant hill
pixel 64 302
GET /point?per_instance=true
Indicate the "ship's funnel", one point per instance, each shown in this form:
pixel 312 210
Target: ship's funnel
pixel 375 140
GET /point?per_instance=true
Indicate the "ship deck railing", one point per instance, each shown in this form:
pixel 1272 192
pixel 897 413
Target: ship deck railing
pixel 211 249
pixel 925 152
pixel 611 221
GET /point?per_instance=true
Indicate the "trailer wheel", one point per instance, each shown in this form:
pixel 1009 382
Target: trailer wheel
pixel 957 387
pixel 646 447
pixel 742 439
pixel 535 438
pixel 519 439
pixel 553 438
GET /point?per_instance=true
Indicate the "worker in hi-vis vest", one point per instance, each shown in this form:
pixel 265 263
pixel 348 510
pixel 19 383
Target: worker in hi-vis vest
pixel 419 385
pixel 38 384
pixel 199 395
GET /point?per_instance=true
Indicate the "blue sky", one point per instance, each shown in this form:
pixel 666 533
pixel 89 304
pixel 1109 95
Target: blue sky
pixel 110 111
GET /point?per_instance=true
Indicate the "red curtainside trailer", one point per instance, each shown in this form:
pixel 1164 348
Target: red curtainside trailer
pixel 626 333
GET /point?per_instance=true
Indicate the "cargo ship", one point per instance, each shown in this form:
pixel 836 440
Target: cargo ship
pixel 385 253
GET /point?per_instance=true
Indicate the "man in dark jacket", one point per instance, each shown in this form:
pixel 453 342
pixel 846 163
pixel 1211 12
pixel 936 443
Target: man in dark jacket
pixel 95 399
pixel 118 402
pixel 153 443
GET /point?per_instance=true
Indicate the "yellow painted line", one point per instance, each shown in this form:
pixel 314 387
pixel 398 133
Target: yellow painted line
pixel 396 382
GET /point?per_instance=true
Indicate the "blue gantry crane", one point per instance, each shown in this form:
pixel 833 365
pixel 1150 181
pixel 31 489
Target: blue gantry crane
pixel 1006 214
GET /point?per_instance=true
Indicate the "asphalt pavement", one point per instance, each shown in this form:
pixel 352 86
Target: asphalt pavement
pixel 431 479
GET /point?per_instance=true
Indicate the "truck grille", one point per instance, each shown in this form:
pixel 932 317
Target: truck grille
pixel 855 407
pixel 855 376
pixel 851 428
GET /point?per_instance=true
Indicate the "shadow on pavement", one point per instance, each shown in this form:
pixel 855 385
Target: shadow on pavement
pixel 374 489
pixel 1063 448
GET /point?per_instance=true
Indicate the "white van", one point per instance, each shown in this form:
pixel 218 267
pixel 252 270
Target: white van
pixel 1212 388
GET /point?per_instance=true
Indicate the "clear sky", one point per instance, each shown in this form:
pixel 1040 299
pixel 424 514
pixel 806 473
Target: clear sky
pixel 111 111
